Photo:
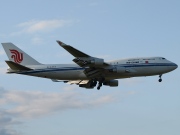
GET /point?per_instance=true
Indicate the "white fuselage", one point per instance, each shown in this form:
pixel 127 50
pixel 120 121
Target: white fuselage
pixel 132 67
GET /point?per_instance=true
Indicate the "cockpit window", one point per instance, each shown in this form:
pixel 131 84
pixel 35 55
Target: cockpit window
pixel 163 58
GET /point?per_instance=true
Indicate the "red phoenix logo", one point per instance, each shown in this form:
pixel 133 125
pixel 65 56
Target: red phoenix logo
pixel 17 56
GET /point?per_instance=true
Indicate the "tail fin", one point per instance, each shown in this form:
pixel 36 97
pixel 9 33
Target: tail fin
pixel 17 55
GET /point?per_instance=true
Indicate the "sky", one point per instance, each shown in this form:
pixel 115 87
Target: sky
pixel 107 29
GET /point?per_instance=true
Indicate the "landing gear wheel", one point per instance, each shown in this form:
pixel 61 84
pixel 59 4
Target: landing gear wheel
pixel 94 83
pixel 160 80
pixel 99 86
pixel 101 80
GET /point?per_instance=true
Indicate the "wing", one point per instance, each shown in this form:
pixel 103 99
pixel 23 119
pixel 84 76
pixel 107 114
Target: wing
pixel 83 59
pixel 72 50
pixel 95 67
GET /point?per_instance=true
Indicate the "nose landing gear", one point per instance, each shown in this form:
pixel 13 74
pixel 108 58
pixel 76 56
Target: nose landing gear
pixel 160 79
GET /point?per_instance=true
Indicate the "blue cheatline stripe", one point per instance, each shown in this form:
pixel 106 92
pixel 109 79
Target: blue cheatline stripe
pixel 149 65
pixel 79 68
pixel 50 70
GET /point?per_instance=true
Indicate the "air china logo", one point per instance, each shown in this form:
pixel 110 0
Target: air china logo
pixel 17 56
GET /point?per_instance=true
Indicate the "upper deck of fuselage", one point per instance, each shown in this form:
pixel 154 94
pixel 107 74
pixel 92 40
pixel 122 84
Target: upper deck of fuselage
pixel 140 60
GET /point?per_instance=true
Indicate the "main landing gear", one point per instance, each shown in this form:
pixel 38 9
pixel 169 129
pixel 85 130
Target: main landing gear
pixel 99 86
pixel 101 80
pixel 93 83
pixel 160 79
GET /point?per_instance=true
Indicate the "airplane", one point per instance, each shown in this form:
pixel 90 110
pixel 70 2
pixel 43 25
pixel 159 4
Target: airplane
pixel 88 72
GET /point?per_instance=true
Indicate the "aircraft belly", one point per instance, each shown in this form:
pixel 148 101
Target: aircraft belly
pixel 140 71
pixel 160 70
pixel 151 70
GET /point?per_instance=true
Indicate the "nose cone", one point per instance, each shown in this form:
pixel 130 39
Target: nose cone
pixel 176 66
pixel 171 66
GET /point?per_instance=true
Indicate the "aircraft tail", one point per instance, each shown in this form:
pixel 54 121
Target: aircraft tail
pixel 18 56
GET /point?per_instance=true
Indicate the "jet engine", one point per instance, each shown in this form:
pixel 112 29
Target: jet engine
pixel 118 70
pixel 111 83
pixel 97 62
pixel 89 61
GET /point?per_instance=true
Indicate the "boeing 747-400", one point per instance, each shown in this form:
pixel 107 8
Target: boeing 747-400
pixel 88 72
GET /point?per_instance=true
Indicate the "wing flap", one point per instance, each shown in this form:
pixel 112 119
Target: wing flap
pixel 78 82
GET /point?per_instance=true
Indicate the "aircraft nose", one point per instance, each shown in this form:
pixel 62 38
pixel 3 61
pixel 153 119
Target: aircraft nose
pixel 173 66
pixel 176 66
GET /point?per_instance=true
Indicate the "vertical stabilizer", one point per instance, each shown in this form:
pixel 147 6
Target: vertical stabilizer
pixel 17 55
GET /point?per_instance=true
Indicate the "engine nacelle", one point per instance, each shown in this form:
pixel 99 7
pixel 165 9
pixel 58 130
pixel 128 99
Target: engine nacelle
pixel 111 83
pixel 118 70
pixel 89 61
pixel 97 62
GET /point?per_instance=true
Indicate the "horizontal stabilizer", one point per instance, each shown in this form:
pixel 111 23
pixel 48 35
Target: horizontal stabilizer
pixel 15 66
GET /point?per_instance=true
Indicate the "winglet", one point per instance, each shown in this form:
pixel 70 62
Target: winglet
pixel 60 43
